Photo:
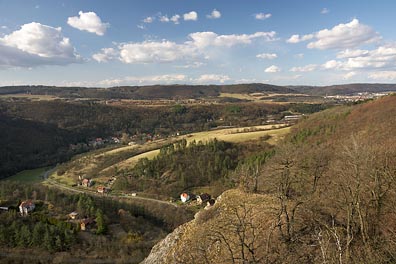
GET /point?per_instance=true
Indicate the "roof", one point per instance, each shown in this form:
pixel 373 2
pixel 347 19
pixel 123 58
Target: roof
pixel 27 203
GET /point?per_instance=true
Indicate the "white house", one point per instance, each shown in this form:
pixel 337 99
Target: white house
pixel 26 207
pixel 184 197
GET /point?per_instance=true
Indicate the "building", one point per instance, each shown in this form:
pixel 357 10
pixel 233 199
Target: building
pixel 203 198
pixel 184 197
pixel 26 207
pixel 103 190
pixel 86 182
pixel 85 223
pixel 73 215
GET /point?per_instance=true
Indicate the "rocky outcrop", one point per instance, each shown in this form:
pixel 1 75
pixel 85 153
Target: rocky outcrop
pixel 166 247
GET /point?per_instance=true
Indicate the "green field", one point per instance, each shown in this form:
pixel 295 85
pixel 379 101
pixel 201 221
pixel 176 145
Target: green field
pixel 30 176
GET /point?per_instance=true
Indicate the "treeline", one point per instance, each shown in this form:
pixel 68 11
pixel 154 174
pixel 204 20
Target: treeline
pixel 181 166
pixel 29 233
pixel 145 92
pixel 37 134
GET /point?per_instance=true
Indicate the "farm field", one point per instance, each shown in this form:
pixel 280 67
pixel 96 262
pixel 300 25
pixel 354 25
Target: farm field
pixel 102 165
pixel 29 176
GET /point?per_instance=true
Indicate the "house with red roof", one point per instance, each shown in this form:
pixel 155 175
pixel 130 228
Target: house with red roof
pixel 26 206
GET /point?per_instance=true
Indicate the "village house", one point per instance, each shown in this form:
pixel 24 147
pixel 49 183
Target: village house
pixel 73 215
pixel 184 197
pixel 87 182
pixel 85 223
pixel 210 203
pixel 203 198
pixel 103 190
pixel 26 206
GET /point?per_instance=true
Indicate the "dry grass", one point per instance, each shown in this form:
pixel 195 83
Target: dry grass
pixel 89 164
pixel 36 97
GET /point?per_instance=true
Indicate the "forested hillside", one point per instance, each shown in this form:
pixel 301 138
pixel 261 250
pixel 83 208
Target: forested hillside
pixel 326 196
pixel 39 133
pixel 146 92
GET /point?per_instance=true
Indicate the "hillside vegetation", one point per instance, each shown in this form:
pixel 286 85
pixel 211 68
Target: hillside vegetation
pixel 326 196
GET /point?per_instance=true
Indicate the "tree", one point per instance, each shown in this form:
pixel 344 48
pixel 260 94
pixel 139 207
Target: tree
pixel 100 223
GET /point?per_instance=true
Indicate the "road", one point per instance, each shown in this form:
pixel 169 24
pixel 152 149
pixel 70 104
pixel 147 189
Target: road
pixel 91 192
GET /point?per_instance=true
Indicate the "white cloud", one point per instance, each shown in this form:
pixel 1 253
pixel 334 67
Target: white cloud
pixel 88 21
pixel 106 55
pixel 193 16
pixel 164 19
pixel 190 52
pixel 349 75
pixel 297 39
pixel 332 64
pixel 212 78
pixel 155 52
pixel 149 19
pixel 204 39
pixel 272 69
pixel 36 44
pixel 306 68
pixel 383 57
pixel 348 53
pixel 262 16
pixel 142 80
pixel 267 56
pixel 383 75
pixel 324 11
pixel 214 15
pixel 344 36
pixel 175 19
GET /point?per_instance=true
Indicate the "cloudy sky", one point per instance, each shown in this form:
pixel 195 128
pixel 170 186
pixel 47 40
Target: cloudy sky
pixel 139 42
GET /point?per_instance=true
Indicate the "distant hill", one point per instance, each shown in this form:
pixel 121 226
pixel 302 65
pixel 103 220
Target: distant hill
pixel 146 92
pixel 344 88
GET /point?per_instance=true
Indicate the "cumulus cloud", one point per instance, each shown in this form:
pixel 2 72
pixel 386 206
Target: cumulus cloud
pixel 106 55
pixel 142 80
pixel 36 44
pixel 155 52
pixel 306 68
pixel 383 75
pixel 349 53
pixel 193 50
pixel 341 36
pixel 212 78
pixel 267 56
pixel 88 21
pixel 205 39
pixel 175 19
pixel 164 19
pixel 272 69
pixel 349 75
pixel 262 16
pixel 383 57
pixel 149 19
pixel 344 36
pixel 297 38
pixel 214 15
pixel 193 16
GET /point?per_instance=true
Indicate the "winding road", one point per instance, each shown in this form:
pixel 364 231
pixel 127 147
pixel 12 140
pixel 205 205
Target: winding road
pixel 56 184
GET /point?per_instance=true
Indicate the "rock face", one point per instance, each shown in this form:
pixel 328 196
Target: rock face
pixel 165 248
pixel 212 237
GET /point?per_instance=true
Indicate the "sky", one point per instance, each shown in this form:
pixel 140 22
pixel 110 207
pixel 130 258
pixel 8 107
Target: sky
pixel 98 43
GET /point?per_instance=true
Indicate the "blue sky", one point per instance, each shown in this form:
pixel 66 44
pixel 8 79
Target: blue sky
pixel 121 42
